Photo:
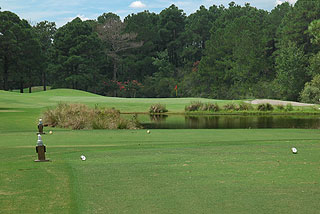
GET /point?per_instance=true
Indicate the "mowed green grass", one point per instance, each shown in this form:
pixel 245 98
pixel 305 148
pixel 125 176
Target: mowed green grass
pixel 53 97
pixel 166 171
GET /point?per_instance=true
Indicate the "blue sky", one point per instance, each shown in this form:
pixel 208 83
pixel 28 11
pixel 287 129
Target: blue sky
pixel 63 11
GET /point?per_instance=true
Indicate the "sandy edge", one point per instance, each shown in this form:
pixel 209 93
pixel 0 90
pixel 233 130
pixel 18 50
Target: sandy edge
pixel 279 102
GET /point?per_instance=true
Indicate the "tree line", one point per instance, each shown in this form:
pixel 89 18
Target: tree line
pixel 233 52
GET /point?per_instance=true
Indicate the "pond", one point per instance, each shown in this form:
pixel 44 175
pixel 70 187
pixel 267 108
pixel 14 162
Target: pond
pixel 228 122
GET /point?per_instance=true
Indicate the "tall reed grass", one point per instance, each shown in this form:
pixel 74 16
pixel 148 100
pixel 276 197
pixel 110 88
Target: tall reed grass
pixel 157 108
pixel 80 116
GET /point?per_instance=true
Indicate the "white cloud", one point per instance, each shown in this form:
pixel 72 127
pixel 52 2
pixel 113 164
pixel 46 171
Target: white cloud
pixel 137 4
pixel 290 1
pixel 64 20
pixel 82 17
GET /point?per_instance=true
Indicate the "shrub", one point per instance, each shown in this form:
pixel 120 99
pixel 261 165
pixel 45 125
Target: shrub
pixel 198 106
pixel 311 91
pixel 194 106
pixel 245 106
pixel 67 115
pixel 265 107
pixel 230 106
pixel 123 124
pixel 105 118
pixel 204 107
pixel 79 116
pixel 269 107
pixel 213 107
pixel 158 108
pixel 289 107
pixel 280 107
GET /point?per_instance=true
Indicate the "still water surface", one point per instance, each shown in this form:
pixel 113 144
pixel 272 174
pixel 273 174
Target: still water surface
pixel 228 122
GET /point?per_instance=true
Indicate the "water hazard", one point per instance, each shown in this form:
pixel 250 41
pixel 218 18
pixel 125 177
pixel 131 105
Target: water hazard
pixel 228 122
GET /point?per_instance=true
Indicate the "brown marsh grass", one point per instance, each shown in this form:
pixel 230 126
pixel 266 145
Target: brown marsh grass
pixel 80 116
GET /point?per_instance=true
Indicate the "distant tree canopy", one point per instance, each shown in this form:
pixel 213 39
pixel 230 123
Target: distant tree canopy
pixel 232 52
pixel 19 52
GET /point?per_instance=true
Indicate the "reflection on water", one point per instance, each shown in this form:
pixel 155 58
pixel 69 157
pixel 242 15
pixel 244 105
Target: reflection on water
pixel 230 122
pixel 158 117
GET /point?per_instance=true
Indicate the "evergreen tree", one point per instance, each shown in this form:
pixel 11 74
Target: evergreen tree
pixel 19 52
pixel 45 33
pixel 138 63
pixel 291 72
pixel 172 25
pixel 235 57
pixel 77 56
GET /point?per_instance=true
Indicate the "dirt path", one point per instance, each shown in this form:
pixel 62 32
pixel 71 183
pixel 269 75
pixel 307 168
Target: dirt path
pixel 279 102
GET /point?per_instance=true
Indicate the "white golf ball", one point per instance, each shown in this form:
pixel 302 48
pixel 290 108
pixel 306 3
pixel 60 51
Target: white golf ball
pixel 50 132
pixel 294 150
pixel 148 131
pixel 82 157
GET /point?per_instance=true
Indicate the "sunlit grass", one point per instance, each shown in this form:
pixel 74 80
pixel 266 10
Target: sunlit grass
pixel 166 171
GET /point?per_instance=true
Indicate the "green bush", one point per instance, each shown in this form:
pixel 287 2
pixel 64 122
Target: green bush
pixel 194 106
pixel 261 107
pixel 80 116
pixel 265 107
pixel 245 106
pixel 289 107
pixel 311 91
pixel 230 106
pixel 198 106
pixel 269 107
pixel 213 107
pixel 203 107
pixel 158 108
pixel 280 107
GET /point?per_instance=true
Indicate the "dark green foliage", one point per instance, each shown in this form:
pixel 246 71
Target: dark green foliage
pixel 265 107
pixel 280 107
pixel 212 107
pixel 291 73
pixel 289 107
pixel 230 107
pixel 199 106
pixel 194 106
pixel 19 53
pixel 234 52
pixel 171 28
pixel 158 108
pixel 139 63
pixel 197 32
pixel 295 24
pixel 245 106
pixel 296 49
pixel 261 107
pixel 45 33
pixel 311 91
pixel 235 56
pixel 115 41
pixel 78 57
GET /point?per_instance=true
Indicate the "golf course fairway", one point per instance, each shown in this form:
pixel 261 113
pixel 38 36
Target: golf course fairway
pixel 164 171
